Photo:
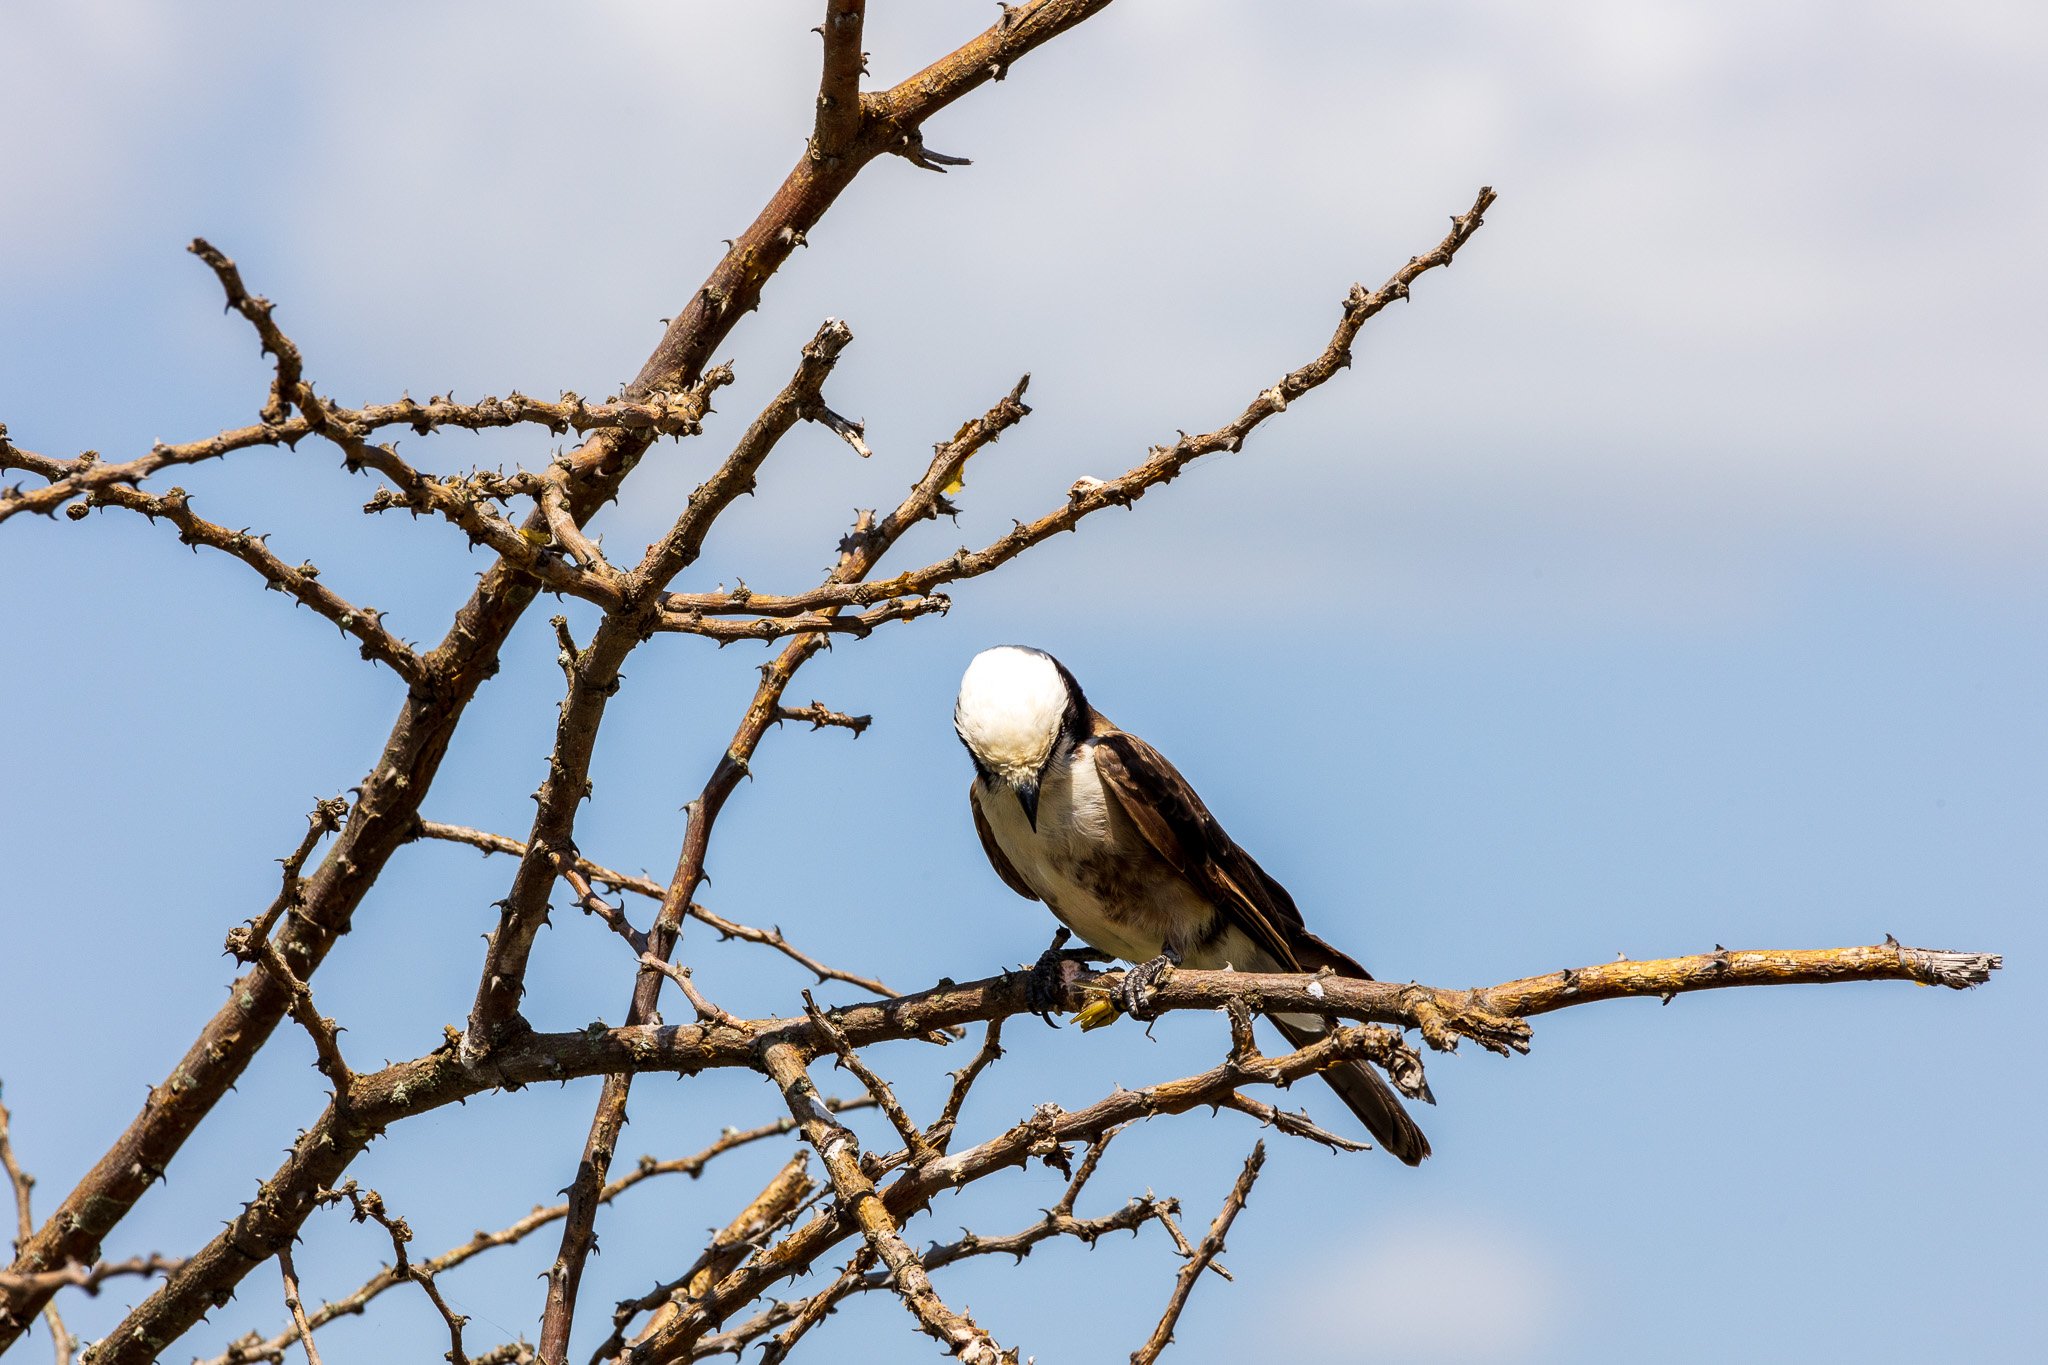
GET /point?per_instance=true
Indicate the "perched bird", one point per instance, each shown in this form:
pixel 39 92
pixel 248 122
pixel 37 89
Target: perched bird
pixel 1093 821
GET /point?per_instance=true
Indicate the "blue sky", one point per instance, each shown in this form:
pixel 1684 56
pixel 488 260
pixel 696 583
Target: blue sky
pixel 1669 572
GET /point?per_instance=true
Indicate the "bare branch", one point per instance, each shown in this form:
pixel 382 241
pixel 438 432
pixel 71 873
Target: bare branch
pixel 706 1011
pixel 326 818
pixel 1204 1258
pixel 293 1303
pixel 654 890
pixel 284 390
pixel 301 583
pixel 1294 1125
pixel 839 112
pixel 1165 463
pixel 940 1134
pixel 590 903
pixel 554 505
pixel 323 1031
pixel 810 623
pixel 785 1065
pixel 914 1140
pixel 820 716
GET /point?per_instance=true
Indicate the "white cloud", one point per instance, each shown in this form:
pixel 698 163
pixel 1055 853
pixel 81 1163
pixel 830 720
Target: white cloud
pixel 1449 1290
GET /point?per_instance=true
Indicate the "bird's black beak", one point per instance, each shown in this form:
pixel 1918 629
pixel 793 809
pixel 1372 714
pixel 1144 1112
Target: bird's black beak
pixel 1027 796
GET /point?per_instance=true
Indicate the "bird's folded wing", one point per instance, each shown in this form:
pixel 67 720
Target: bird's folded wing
pixel 1166 810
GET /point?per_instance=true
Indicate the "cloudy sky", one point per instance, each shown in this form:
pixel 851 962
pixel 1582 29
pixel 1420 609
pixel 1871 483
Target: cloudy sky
pixel 1671 571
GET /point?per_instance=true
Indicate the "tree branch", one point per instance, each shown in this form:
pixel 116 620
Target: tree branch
pixel 254 1347
pixel 654 890
pixel 302 584
pixel 1165 463
pixel 1204 1258
pixel 404 772
pixel 785 1065
pixel 767 1211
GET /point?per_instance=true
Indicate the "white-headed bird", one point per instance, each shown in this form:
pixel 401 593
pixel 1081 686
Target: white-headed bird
pixel 1093 821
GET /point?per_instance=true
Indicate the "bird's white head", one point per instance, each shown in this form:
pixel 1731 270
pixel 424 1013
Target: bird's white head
pixel 1014 705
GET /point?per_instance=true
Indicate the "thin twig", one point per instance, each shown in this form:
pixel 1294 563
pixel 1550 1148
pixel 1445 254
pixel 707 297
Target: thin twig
pixel 940 1134
pixel 368 1206
pixel 301 583
pixel 293 1303
pixel 654 890
pixel 326 818
pixel 1204 1258
pixel 914 1140
pixel 254 1347
pixel 859 1203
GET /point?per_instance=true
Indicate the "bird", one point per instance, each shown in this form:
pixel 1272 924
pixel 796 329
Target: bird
pixel 1088 818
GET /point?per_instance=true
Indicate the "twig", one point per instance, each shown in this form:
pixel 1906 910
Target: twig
pixel 1204 1258
pixel 766 628
pixel 1294 1125
pixel 654 890
pixel 254 1347
pixel 706 1011
pixel 590 903
pixel 820 716
pixel 301 583
pixel 368 1206
pixel 91 1278
pixel 940 1134
pixel 915 1142
pixel 554 505
pixel 323 1031
pixel 325 819
pixel 293 1303
pixel 284 390
pixel 859 1202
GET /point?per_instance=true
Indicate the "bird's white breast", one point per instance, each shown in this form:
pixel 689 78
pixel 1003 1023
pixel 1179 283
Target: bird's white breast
pixel 1087 863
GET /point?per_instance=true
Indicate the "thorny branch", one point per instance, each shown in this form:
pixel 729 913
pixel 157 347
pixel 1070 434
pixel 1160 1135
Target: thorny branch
pixel 368 1206
pixel 1203 1258
pixel 255 1347
pixel 538 526
pixel 653 890
pixel 780 1200
pixel 858 1200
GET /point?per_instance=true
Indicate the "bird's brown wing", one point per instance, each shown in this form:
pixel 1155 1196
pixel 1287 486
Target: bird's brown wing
pixel 1173 820
pixel 996 859
pixel 1166 810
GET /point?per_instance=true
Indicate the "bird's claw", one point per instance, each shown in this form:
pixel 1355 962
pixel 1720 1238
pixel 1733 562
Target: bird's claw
pixel 1045 989
pixel 1133 995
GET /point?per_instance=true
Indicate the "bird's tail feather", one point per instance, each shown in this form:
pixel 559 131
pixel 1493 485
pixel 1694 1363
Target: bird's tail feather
pixel 1364 1092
